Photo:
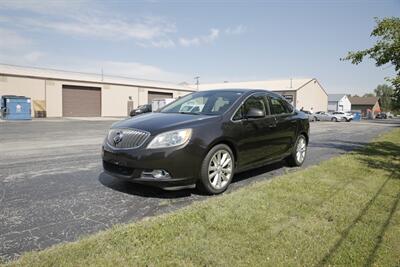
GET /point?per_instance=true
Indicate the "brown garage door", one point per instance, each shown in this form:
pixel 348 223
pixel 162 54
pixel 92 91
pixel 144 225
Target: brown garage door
pixel 158 95
pixel 81 101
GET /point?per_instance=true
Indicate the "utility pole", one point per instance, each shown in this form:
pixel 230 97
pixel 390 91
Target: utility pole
pixel 197 78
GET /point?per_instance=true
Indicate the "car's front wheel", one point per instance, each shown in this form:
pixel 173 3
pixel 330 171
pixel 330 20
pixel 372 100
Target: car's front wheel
pixel 296 159
pixel 334 119
pixel 216 170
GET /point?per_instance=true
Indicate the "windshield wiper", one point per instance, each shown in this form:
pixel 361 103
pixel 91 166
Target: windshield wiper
pixel 190 113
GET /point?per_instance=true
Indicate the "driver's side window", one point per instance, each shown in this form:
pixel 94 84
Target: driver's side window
pixel 252 102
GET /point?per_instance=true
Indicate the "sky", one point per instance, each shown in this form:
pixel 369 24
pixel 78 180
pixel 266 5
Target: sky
pixel 219 41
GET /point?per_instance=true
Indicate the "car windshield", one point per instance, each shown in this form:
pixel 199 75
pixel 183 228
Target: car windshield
pixel 205 103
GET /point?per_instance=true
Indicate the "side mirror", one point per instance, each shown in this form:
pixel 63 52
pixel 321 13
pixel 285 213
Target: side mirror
pixel 255 113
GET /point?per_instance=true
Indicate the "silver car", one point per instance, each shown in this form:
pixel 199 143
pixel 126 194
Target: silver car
pixel 323 116
pixel 309 114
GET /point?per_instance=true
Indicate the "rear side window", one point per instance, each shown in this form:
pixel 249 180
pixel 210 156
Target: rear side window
pixel 278 106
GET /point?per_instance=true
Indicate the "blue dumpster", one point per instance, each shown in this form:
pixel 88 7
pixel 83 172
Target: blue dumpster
pixel 356 116
pixel 15 107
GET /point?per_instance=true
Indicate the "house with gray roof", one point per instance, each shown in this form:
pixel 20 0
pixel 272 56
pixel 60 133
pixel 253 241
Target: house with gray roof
pixel 338 102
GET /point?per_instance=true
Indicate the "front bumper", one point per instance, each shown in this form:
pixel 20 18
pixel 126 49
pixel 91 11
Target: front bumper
pixel 182 163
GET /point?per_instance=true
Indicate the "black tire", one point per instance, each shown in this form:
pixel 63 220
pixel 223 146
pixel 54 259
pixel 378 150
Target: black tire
pixel 203 182
pixel 292 159
pixel 315 119
pixel 334 119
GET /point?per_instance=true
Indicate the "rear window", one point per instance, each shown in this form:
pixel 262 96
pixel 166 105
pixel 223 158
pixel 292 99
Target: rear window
pixel 279 106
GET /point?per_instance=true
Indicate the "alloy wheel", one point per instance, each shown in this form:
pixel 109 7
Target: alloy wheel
pixel 220 169
pixel 301 150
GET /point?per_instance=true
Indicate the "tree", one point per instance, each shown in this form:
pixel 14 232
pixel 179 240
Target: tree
pixel 385 92
pixel 385 51
pixel 368 95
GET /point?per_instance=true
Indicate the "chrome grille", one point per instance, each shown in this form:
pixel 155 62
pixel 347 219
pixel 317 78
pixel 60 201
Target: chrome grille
pixel 126 138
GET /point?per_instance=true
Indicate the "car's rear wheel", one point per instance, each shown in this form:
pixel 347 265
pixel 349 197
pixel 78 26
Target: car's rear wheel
pixel 299 152
pixel 216 170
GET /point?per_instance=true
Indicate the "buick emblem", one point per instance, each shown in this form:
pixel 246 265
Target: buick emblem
pixel 118 137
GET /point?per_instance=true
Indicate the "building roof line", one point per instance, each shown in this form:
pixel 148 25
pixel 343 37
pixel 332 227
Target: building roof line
pixel 273 85
pixel 305 84
pixel 20 71
pixel 97 82
pixel 323 88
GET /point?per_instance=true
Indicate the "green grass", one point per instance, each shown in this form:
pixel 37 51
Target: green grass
pixel 344 211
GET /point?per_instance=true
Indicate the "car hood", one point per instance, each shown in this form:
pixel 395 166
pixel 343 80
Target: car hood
pixel 160 122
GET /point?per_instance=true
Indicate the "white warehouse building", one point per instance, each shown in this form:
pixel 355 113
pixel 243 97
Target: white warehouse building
pixel 301 93
pixel 73 94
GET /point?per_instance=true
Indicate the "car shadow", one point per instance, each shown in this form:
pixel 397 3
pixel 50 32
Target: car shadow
pixel 345 146
pixel 261 172
pixel 153 192
pixel 140 189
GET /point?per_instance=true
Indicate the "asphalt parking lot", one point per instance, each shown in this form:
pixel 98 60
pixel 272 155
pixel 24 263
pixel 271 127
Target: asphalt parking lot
pixel 52 188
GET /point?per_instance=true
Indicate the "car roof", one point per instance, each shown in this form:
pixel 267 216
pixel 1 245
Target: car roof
pixel 242 90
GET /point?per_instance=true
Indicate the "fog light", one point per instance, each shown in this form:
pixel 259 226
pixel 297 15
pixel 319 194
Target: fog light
pixel 157 174
pixel 160 174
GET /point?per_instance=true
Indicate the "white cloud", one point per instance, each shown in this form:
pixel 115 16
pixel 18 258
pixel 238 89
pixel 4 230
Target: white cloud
pixel 163 43
pixel 19 57
pixel 240 29
pixel 43 6
pixel 12 40
pixel 81 19
pixel 189 42
pixel 110 28
pixel 139 70
pixel 33 57
pixel 196 41
pixel 88 19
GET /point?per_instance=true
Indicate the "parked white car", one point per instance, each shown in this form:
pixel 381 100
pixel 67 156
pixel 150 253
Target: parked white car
pixel 342 116
pixel 335 116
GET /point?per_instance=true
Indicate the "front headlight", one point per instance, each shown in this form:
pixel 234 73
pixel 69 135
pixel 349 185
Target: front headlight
pixel 170 139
